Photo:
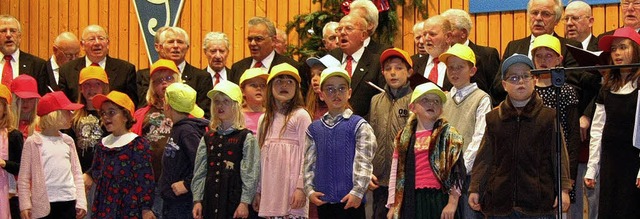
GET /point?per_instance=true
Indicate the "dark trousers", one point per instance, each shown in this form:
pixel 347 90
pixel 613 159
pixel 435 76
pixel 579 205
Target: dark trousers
pixel 518 215
pixel 177 210
pixel 337 211
pixel 380 209
pixel 14 207
pixel 62 210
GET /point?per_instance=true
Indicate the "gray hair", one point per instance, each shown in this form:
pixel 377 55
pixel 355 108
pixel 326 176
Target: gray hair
pixel 557 8
pixel 439 20
pixel 215 37
pixel 282 34
pixel 9 17
pixel 370 8
pixel 271 28
pixel 458 18
pixel 418 27
pixel 331 26
pixel 177 30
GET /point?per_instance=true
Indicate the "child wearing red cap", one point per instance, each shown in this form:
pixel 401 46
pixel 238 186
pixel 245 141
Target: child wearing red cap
pixel 25 101
pixel 50 180
pixel 10 153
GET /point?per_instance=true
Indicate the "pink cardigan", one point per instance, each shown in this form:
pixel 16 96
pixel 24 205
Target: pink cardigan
pixel 31 183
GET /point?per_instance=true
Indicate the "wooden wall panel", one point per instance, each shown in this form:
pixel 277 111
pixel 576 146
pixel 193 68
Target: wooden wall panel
pixel 43 20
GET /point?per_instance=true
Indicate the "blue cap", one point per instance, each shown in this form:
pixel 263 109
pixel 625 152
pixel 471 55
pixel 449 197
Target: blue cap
pixel 513 59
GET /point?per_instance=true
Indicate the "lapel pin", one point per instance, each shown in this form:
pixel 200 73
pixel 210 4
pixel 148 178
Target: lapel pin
pixel 361 69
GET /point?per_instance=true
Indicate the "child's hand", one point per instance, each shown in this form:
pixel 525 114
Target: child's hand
pixel 242 211
pixel 589 183
pixel 373 184
pixel 298 200
pixel 352 201
pixel 179 188
pixel 80 213
pixel 390 212
pixel 474 202
pixel 197 210
pixel 256 202
pixel 88 182
pixel 315 198
pixel 449 211
pixel 148 214
pixel 25 214
pixel 638 183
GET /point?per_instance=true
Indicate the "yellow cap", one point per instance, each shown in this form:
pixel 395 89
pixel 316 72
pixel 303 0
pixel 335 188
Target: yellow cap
pixel 117 97
pixel 286 69
pixel 548 41
pixel 93 72
pixel 162 64
pixel 182 98
pixel 461 51
pixel 428 88
pixel 5 93
pixel 229 88
pixel 334 71
pixel 395 52
pixel 252 73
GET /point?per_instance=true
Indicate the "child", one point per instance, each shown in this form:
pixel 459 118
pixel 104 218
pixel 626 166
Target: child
pixel 281 136
pixel 10 154
pixel 313 104
pixel 396 68
pixel 612 153
pixel 465 109
pixel 121 166
pixel 517 155
pixel 25 97
pixel 237 170
pixel 338 152
pixel 180 152
pixel 50 181
pixel 253 82
pixel 427 171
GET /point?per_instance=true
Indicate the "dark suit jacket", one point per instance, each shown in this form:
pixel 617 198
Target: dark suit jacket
pixel 198 79
pixel 367 69
pixel 238 68
pixel 51 81
pixel 591 85
pixel 487 63
pixel 521 46
pixel 419 65
pixel 35 67
pixel 121 74
pixel 375 47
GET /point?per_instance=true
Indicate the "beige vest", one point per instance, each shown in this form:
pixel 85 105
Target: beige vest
pixel 462 116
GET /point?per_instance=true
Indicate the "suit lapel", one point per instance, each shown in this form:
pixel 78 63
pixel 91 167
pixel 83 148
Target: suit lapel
pixel 360 70
pixel 25 64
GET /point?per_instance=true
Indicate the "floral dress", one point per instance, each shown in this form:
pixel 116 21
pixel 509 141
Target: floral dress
pixel 124 180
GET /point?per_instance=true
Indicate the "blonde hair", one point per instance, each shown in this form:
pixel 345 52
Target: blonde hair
pixel 16 105
pixel 238 116
pixel 7 120
pixel 152 98
pixel 52 119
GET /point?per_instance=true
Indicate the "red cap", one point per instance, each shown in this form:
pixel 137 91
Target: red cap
pixel 56 101
pixel 25 86
pixel 626 32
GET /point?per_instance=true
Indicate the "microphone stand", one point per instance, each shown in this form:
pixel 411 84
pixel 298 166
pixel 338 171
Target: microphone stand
pixel 558 80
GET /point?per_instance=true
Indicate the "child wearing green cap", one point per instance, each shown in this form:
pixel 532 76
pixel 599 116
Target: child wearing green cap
pixel 227 164
pixel 396 68
pixel 427 170
pixel 465 108
pixel 338 153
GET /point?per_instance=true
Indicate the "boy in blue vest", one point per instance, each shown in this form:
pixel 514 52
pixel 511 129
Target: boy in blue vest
pixel 338 153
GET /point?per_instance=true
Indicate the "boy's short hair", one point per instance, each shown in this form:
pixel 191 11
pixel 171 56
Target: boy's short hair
pixel 396 53
pixel 461 51
pixel 548 41
pixel 513 59
pixel 334 71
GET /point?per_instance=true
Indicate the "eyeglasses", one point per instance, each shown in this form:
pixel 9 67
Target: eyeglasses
pixel 257 39
pixel 10 31
pixel 69 56
pixel 514 79
pixel 543 14
pixel 95 39
pixel 257 85
pixel 283 81
pixel 333 90
pixel 635 5
pixel 568 18
pixel 108 113
pixel 347 29
pixel 427 101
pixel 168 78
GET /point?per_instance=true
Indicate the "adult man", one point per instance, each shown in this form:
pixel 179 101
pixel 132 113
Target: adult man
pixel 260 36
pixel 216 49
pixel 16 62
pixel 66 47
pixel 422 55
pixel 487 58
pixel 544 15
pixel 95 43
pixel 362 65
pixel 329 36
pixel 173 44
pixel 630 16
pixel 367 10
pixel 280 42
pixel 436 37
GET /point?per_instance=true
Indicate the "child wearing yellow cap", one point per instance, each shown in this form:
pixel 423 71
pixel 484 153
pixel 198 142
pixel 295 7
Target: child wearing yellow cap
pixel 396 68
pixel 427 170
pixel 10 153
pixel 227 160
pixel 253 83
pixel 338 153
pixel 465 108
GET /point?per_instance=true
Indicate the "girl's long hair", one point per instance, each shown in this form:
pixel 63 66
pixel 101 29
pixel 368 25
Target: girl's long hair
pixel 8 119
pixel 82 112
pixel 16 107
pixel 271 109
pixel 613 81
pixel 238 116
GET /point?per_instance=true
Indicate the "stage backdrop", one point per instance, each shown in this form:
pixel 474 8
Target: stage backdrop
pixel 43 20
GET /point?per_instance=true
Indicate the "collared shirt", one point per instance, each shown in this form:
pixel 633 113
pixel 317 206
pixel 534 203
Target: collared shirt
pixel 14 63
pixel 181 66
pixel 56 69
pixel 266 62
pixel 478 131
pixel 88 62
pixel 362 167
pixel 530 46
pixel 223 74
pixel 356 58
pixel 466 43
pixel 585 42
pixel 366 41
pixel 442 68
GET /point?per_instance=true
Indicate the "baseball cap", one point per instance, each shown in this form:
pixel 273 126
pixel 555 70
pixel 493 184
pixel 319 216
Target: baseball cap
pixel 5 93
pixel 428 88
pixel 117 97
pixel 229 88
pixel 334 71
pixel 25 86
pixel 55 101
pixel 548 41
pixel 327 61
pixel 461 51
pixel 182 98
pixel 513 59
pixel 93 72
pixel 163 64
pixel 284 69
pixel 252 73
pixel 395 52
pixel 626 32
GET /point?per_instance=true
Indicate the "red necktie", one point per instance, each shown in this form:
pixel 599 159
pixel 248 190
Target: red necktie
pixel 349 66
pixel 7 71
pixel 433 75
pixel 95 64
pixel 258 65
pixel 217 76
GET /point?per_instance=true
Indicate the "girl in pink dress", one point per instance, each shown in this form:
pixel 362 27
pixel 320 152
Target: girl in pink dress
pixel 281 135
pixel 253 83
